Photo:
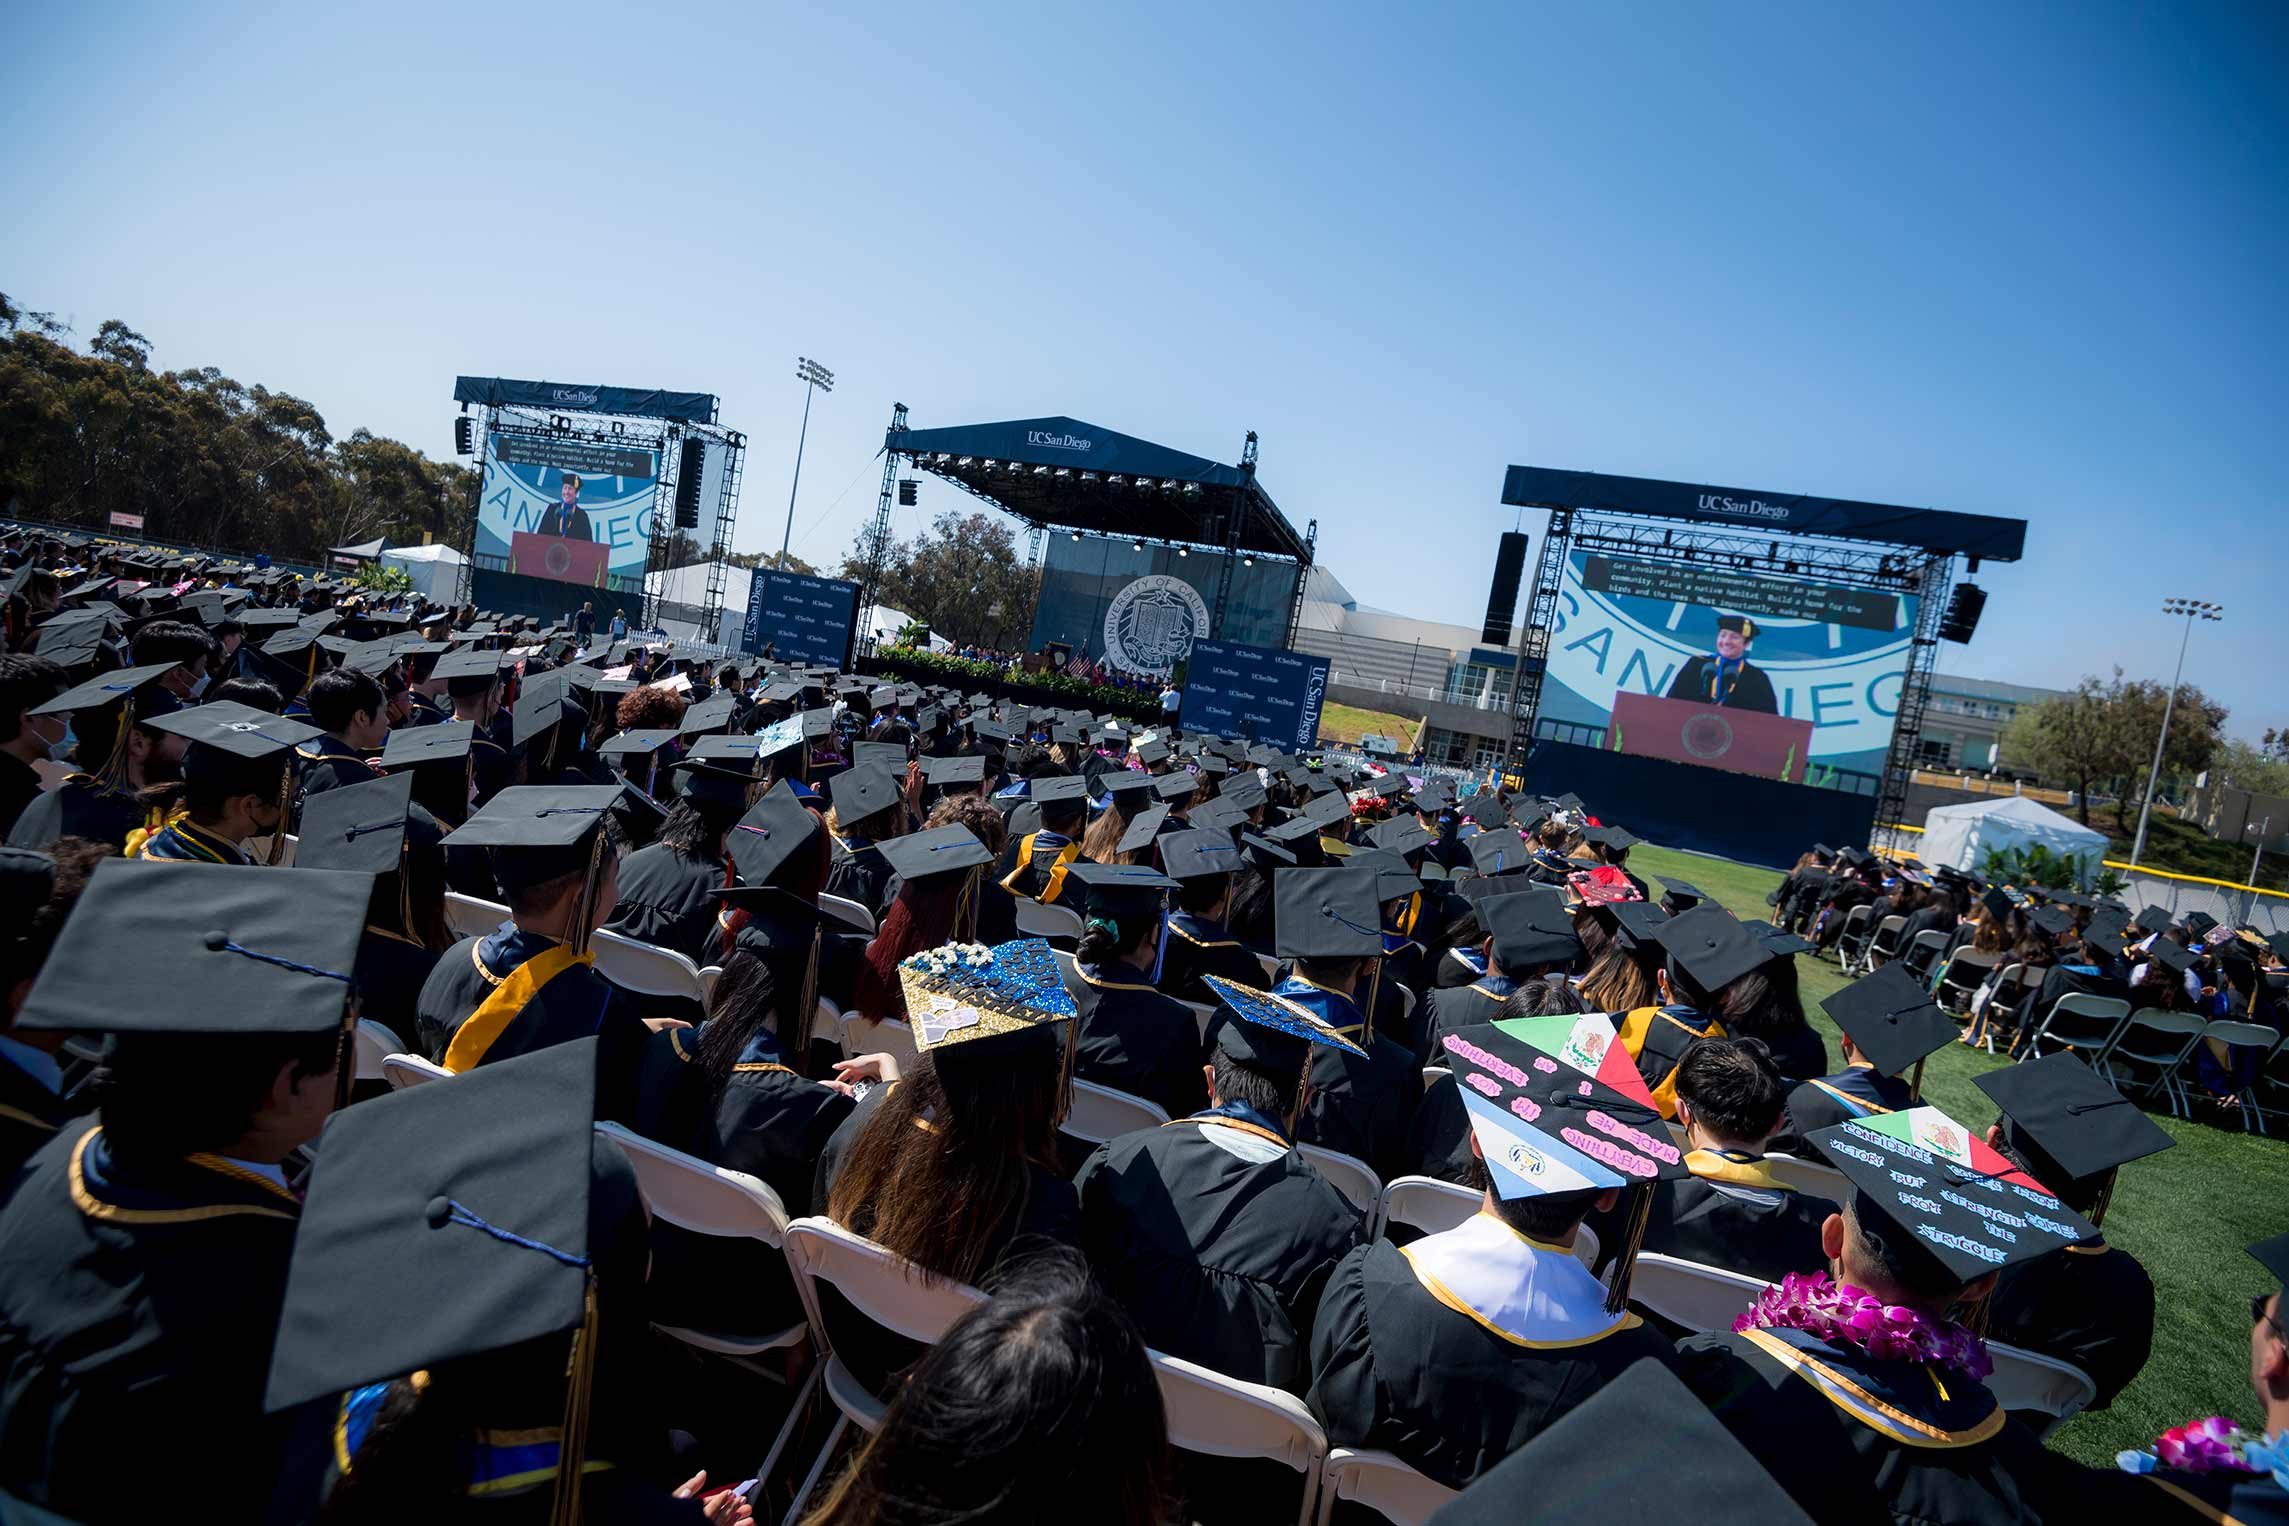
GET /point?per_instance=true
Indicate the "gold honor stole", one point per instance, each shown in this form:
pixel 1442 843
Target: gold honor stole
pixel 510 997
pixel 1057 868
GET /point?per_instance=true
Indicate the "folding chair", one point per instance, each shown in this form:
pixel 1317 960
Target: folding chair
pixel 1700 1298
pixel 375 1043
pixel 286 854
pixel 1406 1004
pixel 1038 920
pixel 2239 1035
pixel 1852 939
pixel 470 917
pixel 2084 1023
pixel 708 1200
pixel 709 974
pixel 1884 946
pixel 645 969
pixel 1923 952
pixel 826 1023
pixel 843 909
pixel 1202 1016
pixel 1271 970
pixel 1347 1174
pixel 883 1287
pixel 2273 1084
pixel 2158 1041
pixel 1963 974
pixel 1810 1177
pixel 1424 1204
pixel 1100 1113
pixel 404 1070
pixel 2029 1381
pixel 1381 1482
pixel 887 1035
pixel 1218 1416
pixel 2007 1007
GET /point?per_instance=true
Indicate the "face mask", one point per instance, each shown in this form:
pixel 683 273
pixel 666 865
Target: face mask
pixel 200 687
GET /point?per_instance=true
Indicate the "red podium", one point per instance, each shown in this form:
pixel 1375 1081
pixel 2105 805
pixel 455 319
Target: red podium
pixel 559 557
pixel 1682 731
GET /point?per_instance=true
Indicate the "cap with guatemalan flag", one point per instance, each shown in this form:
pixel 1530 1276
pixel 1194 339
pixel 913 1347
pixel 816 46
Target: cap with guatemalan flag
pixel 961 995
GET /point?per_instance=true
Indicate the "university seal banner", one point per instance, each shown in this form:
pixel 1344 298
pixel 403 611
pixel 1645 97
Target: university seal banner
pixel 1151 624
pixel 1140 610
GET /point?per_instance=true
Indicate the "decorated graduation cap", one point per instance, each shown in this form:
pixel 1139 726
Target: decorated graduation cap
pixel 774 828
pixel 1950 1192
pixel 1891 1019
pixel 539 833
pixel 861 792
pixel 447 1223
pixel 967 998
pixel 1557 1106
pixel 1326 914
pixel 2060 1114
pixel 1269 1034
pixel 1529 929
pixel 1711 947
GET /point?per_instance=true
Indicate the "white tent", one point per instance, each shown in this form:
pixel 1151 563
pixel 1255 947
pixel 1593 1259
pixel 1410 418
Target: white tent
pixel 435 570
pixel 1960 835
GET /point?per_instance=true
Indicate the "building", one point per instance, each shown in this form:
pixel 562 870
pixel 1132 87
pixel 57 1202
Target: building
pixel 1963 724
pixel 1429 671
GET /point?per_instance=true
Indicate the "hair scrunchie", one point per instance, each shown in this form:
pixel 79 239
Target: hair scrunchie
pixel 1104 925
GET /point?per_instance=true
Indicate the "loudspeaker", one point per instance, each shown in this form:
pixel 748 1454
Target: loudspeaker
pixel 908 490
pixel 464 436
pixel 1502 599
pixel 1963 610
pixel 687 484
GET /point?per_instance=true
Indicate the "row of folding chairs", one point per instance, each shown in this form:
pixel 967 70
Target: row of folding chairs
pixel 2145 1053
pixel 632 965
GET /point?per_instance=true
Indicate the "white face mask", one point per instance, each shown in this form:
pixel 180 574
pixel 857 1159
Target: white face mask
pixel 200 687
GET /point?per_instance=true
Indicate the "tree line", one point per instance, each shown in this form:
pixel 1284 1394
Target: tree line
pixel 2099 739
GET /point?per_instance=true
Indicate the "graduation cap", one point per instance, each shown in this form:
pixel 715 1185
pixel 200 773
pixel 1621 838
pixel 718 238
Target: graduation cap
pixel 890 755
pixel 1267 1033
pixel 1269 856
pixel 1618 839
pixel 414 746
pixel 1488 809
pixel 1394 880
pixel 2150 919
pixel 2057 1111
pixel 2051 919
pixel 858 793
pixel 1216 816
pixel 239 730
pixel 1126 782
pixel 1948 1191
pixel 1529 929
pixel 817 723
pixel 1151 754
pixel 1890 1019
pixel 1118 890
pixel 119 684
pixel 1009 995
pixel 1194 855
pixel 1144 827
pixel 467 665
pixel 733 752
pixel 626 744
pixel 1174 788
pixel 1326 914
pixel 2172 956
pixel 954 772
pixel 447 1223
pixel 709 714
pixel 540 833
pixel 364 827
pixel 1401 835
pixel 1293 830
pixel 1244 792
pixel 1711 947
pixel 940 850
pixel 773 830
pixel 993 733
pixel 247 949
pixel 712 783
pixel 1780 940
pixel 1999 906
pixel 1683 894
pixel 2273 1255
pixel 1618 1455
pixel 1388 786
pixel 1062 790
pixel 2199 923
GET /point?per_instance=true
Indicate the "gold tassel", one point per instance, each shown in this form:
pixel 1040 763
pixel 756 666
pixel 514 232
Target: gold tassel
pixel 798 1043
pixel 1640 1210
pixel 1974 1316
pixel 572 1447
pixel 405 894
pixel 576 934
pixel 1367 1015
pixel 2099 1205
pixel 1915 1082
pixel 114 768
pixel 285 800
pixel 1065 1070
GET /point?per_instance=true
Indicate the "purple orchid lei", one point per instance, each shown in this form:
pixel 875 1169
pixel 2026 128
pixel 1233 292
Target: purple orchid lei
pixel 2215 1445
pixel 1844 1315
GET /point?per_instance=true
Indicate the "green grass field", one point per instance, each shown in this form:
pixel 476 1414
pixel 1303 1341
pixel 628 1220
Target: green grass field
pixel 2185 1214
pixel 1346 724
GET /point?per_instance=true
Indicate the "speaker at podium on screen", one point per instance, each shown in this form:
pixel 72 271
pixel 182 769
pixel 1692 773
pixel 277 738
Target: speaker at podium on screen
pixel 559 558
pixel 1713 736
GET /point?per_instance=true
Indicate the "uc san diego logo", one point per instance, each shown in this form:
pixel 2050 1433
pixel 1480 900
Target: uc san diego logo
pixel 1151 623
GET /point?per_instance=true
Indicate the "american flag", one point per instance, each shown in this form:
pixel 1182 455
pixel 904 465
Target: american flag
pixel 1078 666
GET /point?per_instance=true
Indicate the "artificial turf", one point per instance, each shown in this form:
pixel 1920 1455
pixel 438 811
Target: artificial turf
pixel 2185 1214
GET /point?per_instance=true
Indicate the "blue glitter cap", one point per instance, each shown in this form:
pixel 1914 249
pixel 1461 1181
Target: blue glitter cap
pixel 962 993
pixel 1262 1009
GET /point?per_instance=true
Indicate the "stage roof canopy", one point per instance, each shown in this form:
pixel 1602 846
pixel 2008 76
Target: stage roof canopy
pixel 1077 476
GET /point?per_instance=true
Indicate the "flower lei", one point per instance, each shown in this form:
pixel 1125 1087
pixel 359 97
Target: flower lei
pixel 1842 1314
pixel 952 961
pixel 2215 1445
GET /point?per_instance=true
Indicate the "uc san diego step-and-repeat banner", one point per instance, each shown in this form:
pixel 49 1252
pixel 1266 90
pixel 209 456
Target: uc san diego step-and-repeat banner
pixel 1830 655
pixel 1140 610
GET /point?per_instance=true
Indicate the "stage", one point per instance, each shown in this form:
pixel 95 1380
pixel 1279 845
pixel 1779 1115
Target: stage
pixel 1701 810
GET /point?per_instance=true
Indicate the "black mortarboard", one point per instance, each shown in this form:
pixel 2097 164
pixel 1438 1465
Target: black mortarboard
pixel 1637 923
pixel 1529 929
pixel 1388 786
pixel 2072 1115
pixel 362 827
pixel 940 850
pixel 1620 839
pixel 993 732
pixel 773 829
pixel 1122 889
pixel 2171 955
pixel 890 755
pixel 1487 809
pixel 538 832
pixel 1401 835
pixel 1268 1034
pixel 442 1222
pixel 2273 1255
pixel 1243 792
pixel 1151 754
pixel 244 949
pixel 1683 894
pixel 1890 1018
pixel 1394 880
pixel 1216 816
pixel 2150 919
pixel 629 744
pixel 2199 923
pixel 106 688
pixel 712 783
pixel 1194 855
pixel 413 746
pixel 1741 625
pixel 1059 789
pixel 1929 1180
pixel 816 723
pixel 733 752
pixel 1998 904
pixel 1126 782
pixel 240 730
pixel 1326 914
pixel 1144 826
pixel 2051 919
pixel 467 663
pixel 954 772
pixel 1711 947
pixel 1175 788
pixel 1293 830
pixel 708 715
pixel 1780 940
pixel 1269 856
pixel 858 793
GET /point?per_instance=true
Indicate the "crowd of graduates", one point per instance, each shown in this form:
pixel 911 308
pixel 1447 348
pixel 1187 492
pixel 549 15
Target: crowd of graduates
pixel 240 803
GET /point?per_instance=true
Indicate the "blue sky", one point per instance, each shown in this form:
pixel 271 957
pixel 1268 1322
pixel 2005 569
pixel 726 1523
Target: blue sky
pixel 2019 260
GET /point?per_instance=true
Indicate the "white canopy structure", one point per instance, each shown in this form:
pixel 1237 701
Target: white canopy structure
pixel 1960 835
pixel 435 570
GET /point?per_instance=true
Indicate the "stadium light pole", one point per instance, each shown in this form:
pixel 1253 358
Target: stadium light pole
pixel 815 378
pixel 2192 610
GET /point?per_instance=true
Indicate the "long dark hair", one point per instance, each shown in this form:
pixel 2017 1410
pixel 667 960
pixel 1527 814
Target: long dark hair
pixel 1037 1407
pixel 696 828
pixel 1762 1004
pixel 746 1000
pixel 942 1164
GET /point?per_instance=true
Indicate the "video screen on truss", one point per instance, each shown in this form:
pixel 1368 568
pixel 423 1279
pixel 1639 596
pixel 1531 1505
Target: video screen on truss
pixel 1787 678
pixel 571 511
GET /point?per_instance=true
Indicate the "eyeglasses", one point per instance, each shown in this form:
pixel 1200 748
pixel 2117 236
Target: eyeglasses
pixel 2258 1316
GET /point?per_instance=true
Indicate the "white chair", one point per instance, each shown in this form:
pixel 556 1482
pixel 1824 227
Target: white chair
pixel 2027 1380
pixel 1432 1073
pixel 1424 1204
pixel 885 1035
pixel 1202 1016
pixel 1100 1113
pixel 1347 1174
pixel 1406 1003
pixel 884 1288
pixel 470 917
pixel 731 1205
pixel 375 1043
pixel 1217 1416
pixel 1036 920
pixel 1810 1176
pixel 842 908
pixel 404 1070
pixel 285 854
pixel 1067 966
pixel 709 974
pixel 1271 970
pixel 1381 1482
pixel 1701 1298
pixel 826 1023
pixel 645 969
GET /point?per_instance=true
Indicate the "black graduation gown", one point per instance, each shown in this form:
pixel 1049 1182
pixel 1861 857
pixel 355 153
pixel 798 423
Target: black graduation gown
pixel 2092 1305
pixel 1729 1213
pixel 577 1004
pixel 331 763
pixel 664 901
pixel 1440 1012
pixel 1799 1053
pixel 1853 1092
pixel 492 766
pixel 997 906
pixel 2172 1496
pixel 1136 1040
pixel 1360 1105
pixel 1396 1369
pixel 1894 1451
pixel 1751 689
pixel 390 973
pixel 1438 1137
pixel 30 1115
pixel 862 875
pixel 78 807
pixel 19 787
pixel 135 1343
pixel 1216 1245
pixel 1198 947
